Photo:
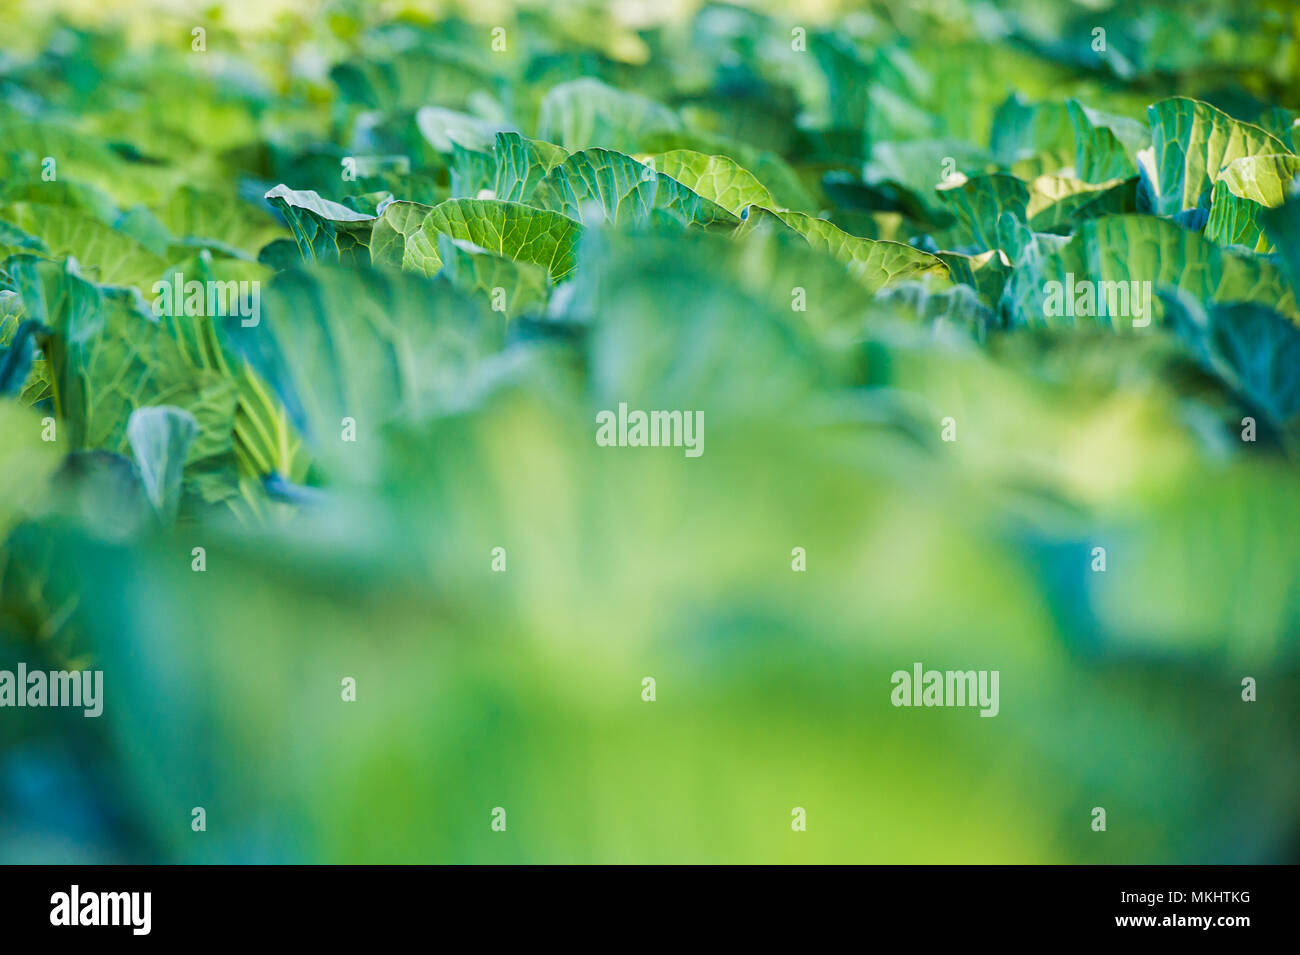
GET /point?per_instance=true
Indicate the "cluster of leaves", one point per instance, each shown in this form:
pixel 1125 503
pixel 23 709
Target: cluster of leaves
pixel 840 233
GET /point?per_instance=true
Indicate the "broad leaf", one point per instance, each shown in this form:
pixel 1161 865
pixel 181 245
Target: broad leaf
pixel 1105 146
pixel 621 191
pixel 977 204
pixel 521 164
pixel 363 345
pixel 325 231
pixel 1266 180
pixel 103 253
pixel 1191 143
pixel 871 262
pixel 160 439
pixel 408 234
pixel 109 356
pixel 718 179
pixel 586 112
pixel 1234 220
pixel 1128 260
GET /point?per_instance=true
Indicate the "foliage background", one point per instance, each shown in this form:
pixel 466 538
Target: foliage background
pixel 523 689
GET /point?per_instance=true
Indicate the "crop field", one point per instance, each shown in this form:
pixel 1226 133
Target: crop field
pixel 664 432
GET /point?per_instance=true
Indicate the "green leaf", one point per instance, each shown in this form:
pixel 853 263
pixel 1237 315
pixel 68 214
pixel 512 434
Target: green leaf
pixel 584 113
pixel 11 313
pixel 1234 221
pixel 143 226
pixel 521 164
pixel 264 441
pixel 718 179
pixel 977 204
pixel 1191 143
pixel 407 236
pixel 325 231
pixel 1262 350
pixel 109 356
pixel 471 172
pixel 26 463
pixel 192 214
pixel 105 254
pixel 1123 250
pixel 509 287
pixel 361 344
pixel 1282 226
pixel 874 263
pixel 1252 348
pixel 1048 191
pixel 73 196
pixel 849 86
pixel 958 306
pixel 445 129
pixel 14 240
pixel 986 273
pixel 788 185
pixel 408 78
pixel 399 240
pixel 638 321
pixel 160 439
pixel 922 165
pixel 16 356
pixel 83 159
pixel 1059 205
pixel 1037 138
pixel 1266 180
pixel 624 191
pixel 1105 146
